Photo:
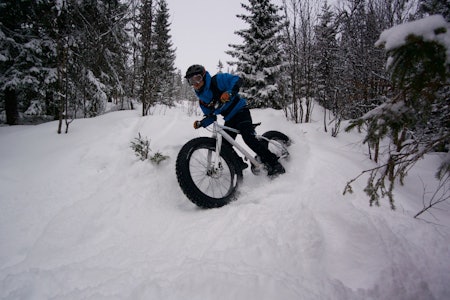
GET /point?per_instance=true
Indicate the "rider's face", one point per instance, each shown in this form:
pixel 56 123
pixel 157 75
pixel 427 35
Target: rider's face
pixel 199 85
pixel 196 81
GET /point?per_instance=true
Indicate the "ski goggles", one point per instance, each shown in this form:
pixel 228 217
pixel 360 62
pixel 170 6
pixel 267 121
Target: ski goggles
pixel 196 79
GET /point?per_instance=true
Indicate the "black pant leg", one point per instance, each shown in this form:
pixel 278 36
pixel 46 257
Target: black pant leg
pixel 243 122
pixel 249 137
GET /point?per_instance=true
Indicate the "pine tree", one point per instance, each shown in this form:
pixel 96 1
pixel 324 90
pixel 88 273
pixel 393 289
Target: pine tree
pixel 135 49
pixel 260 58
pixel 146 66
pixel 219 67
pixel 98 54
pixel 116 53
pixel 74 52
pixel 433 7
pixel 26 56
pixel 416 120
pixel 327 54
pixel 164 56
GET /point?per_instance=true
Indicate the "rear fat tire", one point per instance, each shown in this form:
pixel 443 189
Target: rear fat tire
pixel 279 136
pixel 190 188
pixel 276 136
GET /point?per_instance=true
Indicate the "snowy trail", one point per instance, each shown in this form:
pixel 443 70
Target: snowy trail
pixel 97 223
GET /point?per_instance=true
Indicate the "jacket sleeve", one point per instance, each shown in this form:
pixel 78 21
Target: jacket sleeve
pixel 206 110
pixel 208 120
pixel 236 87
pixel 208 117
pixel 230 83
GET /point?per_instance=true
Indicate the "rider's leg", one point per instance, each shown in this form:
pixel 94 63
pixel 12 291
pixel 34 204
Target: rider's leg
pixel 249 137
pixel 267 157
pixel 233 135
pixel 243 122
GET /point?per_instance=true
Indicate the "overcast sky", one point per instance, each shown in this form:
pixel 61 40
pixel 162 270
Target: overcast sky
pixel 202 29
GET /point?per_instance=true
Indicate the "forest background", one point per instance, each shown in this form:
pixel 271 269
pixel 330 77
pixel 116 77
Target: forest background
pixel 63 60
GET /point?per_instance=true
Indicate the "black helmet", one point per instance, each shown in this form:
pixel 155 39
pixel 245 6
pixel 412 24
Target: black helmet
pixel 194 70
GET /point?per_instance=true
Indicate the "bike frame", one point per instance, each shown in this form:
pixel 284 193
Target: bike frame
pixel 219 132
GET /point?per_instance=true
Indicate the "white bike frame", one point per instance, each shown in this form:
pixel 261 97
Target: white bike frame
pixel 218 132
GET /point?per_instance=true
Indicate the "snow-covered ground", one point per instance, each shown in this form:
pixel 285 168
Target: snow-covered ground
pixel 81 217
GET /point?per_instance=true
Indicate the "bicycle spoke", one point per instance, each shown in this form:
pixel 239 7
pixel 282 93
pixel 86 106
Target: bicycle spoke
pixel 214 183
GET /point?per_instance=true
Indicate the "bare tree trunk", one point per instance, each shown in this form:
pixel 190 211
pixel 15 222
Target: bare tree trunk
pixel 12 113
pixel 291 9
pixel 146 36
pixel 60 75
pixel 300 35
pixel 66 93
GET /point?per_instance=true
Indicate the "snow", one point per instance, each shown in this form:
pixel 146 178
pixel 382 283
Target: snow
pixel 427 28
pixel 81 217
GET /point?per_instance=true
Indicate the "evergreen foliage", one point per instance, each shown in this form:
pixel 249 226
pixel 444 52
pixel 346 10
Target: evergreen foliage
pixel 327 78
pixel 141 147
pixel 363 82
pixel 155 57
pixel 327 48
pixel 146 76
pixel 164 56
pixel 433 7
pixel 259 59
pixel 158 157
pixel 63 58
pixel 68 59
pixel 416 120
pixel 26 57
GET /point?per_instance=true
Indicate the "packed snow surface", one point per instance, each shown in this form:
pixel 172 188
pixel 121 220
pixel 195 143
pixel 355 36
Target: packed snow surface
pixel 81 217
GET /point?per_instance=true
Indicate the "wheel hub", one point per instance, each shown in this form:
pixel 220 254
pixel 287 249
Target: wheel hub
pixel 215 172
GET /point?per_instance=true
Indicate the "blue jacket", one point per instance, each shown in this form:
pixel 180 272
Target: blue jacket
pixel 209 97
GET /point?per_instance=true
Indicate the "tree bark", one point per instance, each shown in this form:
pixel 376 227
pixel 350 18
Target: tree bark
pixel 12 113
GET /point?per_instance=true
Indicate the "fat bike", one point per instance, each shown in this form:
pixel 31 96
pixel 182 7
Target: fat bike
pixel 210 172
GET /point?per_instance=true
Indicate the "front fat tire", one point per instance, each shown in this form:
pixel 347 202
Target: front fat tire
pixel 186 182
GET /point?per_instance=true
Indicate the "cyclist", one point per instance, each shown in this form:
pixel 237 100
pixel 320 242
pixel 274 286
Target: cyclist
pixel 219 95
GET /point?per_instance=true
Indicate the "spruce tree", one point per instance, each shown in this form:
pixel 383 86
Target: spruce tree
pixel 26 57
pixel 164 56
pixel 260 57
pixel 416 120
pixel 361 83
pixel 98 54
pixel 146 63
pixel 326 48
pixel 433 7
pixel 66 56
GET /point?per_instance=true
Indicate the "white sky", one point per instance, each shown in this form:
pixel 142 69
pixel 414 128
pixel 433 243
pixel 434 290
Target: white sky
pixel 202 29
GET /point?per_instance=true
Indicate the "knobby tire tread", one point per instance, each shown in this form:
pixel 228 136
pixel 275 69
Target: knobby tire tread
pixel 276 135
pixel 185 179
